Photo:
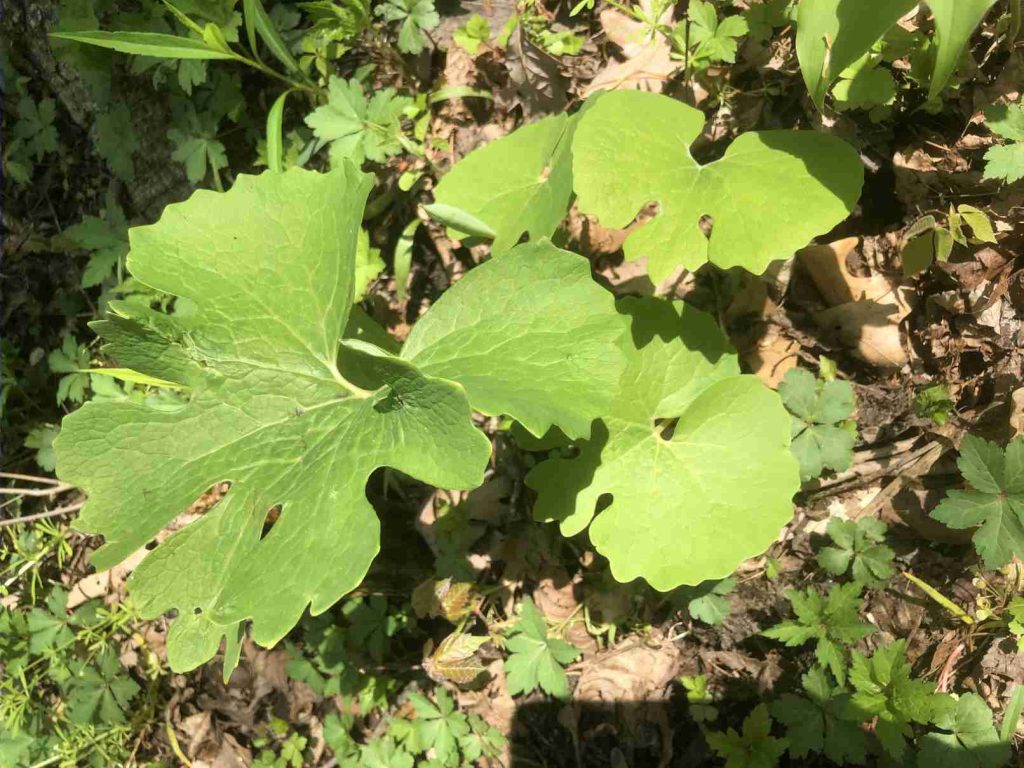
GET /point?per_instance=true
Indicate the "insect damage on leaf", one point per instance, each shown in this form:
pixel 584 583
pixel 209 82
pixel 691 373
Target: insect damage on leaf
pixel 768 195
pixel 689 448
pixel 267 269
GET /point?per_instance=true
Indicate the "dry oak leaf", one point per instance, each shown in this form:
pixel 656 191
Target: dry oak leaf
pixel 864 312
pixel 646 63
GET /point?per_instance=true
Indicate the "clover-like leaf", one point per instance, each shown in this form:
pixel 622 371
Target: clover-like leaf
pixel 860 544
pixel 969 738
pixel 417 16
pixel 767 196
pixel 521 183
pixel 996 505
pixel 726 465
pixel 823 436
pixel 267 271
pixel 557 363
pixel 708 602
pixel 438 726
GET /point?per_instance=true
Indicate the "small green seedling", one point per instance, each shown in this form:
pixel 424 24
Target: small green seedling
pixel 535 659
pixel 821 721
pixel 927 241
pixel 859 546
pixel 934 403
pixel 699 700
pixel 753 747
pixel 822 427
pixel 832 622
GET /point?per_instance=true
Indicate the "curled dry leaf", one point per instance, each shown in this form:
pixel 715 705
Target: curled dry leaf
pixel 633 671
pixel 638 672
pixel 443 599
pixel 455 659
pixel 646 61
pixel 864 312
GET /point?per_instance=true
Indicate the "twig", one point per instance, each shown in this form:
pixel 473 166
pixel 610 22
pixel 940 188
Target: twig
pixel 30 478
pixel 43 515
pixel 54 486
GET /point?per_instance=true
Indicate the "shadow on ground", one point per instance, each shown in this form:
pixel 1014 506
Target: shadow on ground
pixel 663 735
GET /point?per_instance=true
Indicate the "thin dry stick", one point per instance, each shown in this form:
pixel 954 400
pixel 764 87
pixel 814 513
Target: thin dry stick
pixel 43 515
pixel 54 486
pixel 30 478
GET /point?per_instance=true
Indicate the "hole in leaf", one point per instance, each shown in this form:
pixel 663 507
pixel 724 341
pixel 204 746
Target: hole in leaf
pixel 197 611
pixel 706 224
pixel 603 502
pixel 273 515
pixel 665 428
pixel 209 499
pixel 648 212
pixel 151 545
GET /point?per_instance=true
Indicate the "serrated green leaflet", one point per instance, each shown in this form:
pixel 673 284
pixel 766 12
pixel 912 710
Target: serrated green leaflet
pixel 1006 161
pixel 996 505
pixel 821 722
pixel 557 363
pixel 726 467
pixel 886 689
pixel 768 195
pixel 535 659
pixel 520 183
pixel 832 622
pixel 267 269
pixel 753 747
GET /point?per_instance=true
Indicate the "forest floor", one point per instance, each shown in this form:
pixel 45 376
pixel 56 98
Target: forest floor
pixel 931 357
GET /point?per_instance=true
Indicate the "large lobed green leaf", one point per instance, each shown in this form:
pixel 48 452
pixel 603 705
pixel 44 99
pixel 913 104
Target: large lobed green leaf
pixel 264 276
pixel 521 183
pixel 557 363
pixel 726 467
pixel 767 196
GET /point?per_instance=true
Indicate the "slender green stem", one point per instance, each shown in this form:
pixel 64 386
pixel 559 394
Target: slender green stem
pixel 275 74
pixel 940 598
